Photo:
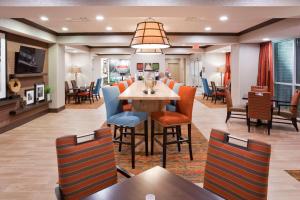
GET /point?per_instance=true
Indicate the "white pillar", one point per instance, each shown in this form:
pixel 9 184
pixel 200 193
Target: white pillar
pixel 56 75
pixel 244 69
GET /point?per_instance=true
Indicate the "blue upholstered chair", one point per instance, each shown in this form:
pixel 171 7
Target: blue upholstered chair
pixel 96 91
pixel 172 105
pixel 124 120
pixel 207 91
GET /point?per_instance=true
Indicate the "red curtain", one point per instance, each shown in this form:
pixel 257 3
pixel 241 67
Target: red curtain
pixel 227 69
pixel 265 66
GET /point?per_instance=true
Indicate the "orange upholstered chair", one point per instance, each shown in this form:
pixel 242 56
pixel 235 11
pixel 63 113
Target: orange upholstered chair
pixel 168 119
pixel 129 82
pixel 164 80
pixel 171 84
pixel 236 168
pixel 86 167
pixel 122 87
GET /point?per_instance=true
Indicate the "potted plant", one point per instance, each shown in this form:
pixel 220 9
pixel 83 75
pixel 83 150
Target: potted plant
pixel 47 92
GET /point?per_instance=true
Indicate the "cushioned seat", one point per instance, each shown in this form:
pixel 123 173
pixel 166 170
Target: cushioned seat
pixel 127 107
pixel 128 119
pixel 168 118
pixel 237 109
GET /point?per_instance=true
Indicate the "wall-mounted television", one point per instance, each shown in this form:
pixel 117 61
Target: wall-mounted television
pixel 29 60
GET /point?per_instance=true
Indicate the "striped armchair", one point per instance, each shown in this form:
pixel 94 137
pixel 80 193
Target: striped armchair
pixel 237 172
pixel 86 167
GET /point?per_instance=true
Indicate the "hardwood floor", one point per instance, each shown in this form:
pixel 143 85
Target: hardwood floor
pixel 28 168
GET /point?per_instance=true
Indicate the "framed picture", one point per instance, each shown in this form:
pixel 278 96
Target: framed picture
pixel 155 67
pixel 29 96
pixel 140 67
pixel 40 91
pixel 2 66
pixel 148 67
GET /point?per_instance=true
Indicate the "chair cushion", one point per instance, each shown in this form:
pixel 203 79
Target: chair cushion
pixel 219 93
pixel 284 113
pixel 168 118
pixel 83 93
pixel 128 119
pixel 171 108
pixel 127 107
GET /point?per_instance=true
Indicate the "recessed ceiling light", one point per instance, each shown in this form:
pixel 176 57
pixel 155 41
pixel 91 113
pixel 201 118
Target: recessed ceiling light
pixel 64 29
pixel 208 28
pixel 223 18
pixel 108 28
pixel 99 17
pixel 266 39
pixel 44 18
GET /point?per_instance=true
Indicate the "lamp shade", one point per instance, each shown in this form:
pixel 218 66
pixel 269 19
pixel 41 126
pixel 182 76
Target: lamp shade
pixel 149 51
pixel 150 35
pixel 221 69
pixel 75 70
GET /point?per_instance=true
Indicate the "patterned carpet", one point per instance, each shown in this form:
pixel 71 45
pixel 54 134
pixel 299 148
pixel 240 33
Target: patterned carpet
pixel 210 104
pixel 85 105
pixel 294 173
pixel 177 162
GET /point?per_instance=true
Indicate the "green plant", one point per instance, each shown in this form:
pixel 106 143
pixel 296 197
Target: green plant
pixel 47 89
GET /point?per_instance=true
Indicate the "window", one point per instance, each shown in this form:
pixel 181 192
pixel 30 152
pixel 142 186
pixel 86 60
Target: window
pixel 286 68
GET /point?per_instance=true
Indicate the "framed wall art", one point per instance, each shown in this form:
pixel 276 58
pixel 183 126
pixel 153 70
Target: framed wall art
pixel 39 91
pixel 29 96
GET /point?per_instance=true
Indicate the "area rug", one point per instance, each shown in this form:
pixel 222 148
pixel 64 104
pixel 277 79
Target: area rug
pixel 177 162
pixel 85 105
pixel 210 104
pixel 294 173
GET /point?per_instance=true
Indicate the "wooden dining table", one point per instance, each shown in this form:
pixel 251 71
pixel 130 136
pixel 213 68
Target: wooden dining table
pixel 148 102
pixel 157 181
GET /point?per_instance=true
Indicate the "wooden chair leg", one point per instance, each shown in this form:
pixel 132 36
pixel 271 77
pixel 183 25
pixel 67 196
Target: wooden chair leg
pixel 178 137
pixel 115 131
pixel 164 147
pixel 248 124
pixel 152 137
pixel 228 116
pixel 121 139
pixel 190 140
pixel 146 137
pixel 294 122
pixel 269 126
pixel 216 99
pixel 133 148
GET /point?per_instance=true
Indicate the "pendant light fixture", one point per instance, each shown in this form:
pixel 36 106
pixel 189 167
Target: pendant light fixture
pixel 148 51
pixel 150 34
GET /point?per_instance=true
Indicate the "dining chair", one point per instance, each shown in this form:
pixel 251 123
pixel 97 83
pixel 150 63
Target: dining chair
pixel 87 94
pixel 237 168
pixel 129 81
pixel 207 90
pixel 172 105
pixel 171 84
pixel 74 84
pixel 127 106
pixel 216 93
pixel 167 119
pixel 115 115
pixel 69 93
pixel 259 107
pixel 238 112
pixel 96 91
pixel 164 80
pixel 255 88
pixel 86 164
pixel 290 114
pixel 168 81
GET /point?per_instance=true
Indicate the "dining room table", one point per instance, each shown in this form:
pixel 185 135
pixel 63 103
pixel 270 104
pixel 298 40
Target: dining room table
pixel 156 182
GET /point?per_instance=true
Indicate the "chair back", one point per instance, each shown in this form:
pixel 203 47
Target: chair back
pixel 67 88
pixel 237 172
pixel 129 82
pixel 87 167
pixel 228 99
pixel 259 105
pixel 186 102
pixel 295 102
pixel 168 81
pixel 164 80
pixel 98 86
pixel 171 84
pixel 259 89
pixel 207 90
pixel 122 86
pixel 112 103
pixel 176 87
pixel 74 84
pixel 213 86
pixel 125 84
pixel 91 88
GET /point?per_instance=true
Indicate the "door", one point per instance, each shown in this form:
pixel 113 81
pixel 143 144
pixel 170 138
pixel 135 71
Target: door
pixel 174 69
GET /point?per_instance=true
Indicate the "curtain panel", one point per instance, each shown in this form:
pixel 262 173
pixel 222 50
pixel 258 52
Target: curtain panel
pixel 227 74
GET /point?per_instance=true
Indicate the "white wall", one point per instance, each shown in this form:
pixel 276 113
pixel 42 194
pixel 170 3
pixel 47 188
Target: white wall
pixel 244 69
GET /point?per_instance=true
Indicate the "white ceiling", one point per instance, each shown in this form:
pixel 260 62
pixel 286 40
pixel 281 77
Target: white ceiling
pixel 175 19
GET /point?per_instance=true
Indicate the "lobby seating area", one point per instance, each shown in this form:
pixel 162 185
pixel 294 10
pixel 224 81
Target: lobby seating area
pixel 162 100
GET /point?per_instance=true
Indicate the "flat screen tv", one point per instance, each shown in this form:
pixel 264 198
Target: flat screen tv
pixel 29 60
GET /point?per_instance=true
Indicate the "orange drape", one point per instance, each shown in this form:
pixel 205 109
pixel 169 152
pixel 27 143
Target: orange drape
pixel 227 69
pixel 265 66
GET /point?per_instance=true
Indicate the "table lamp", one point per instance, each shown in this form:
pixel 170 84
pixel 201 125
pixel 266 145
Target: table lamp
pixel 221 70
pixel 76 71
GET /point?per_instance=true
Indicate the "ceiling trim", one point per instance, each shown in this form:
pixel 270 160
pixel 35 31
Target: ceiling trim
pixel 125 47
pixel 250 29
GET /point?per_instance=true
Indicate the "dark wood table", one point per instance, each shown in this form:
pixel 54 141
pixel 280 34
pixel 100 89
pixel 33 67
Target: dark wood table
pixel 158 181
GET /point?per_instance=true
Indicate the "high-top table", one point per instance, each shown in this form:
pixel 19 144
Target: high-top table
pixel 148 102
pixel 158 181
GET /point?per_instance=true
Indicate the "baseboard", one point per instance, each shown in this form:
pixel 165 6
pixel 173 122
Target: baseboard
pixel 56 110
